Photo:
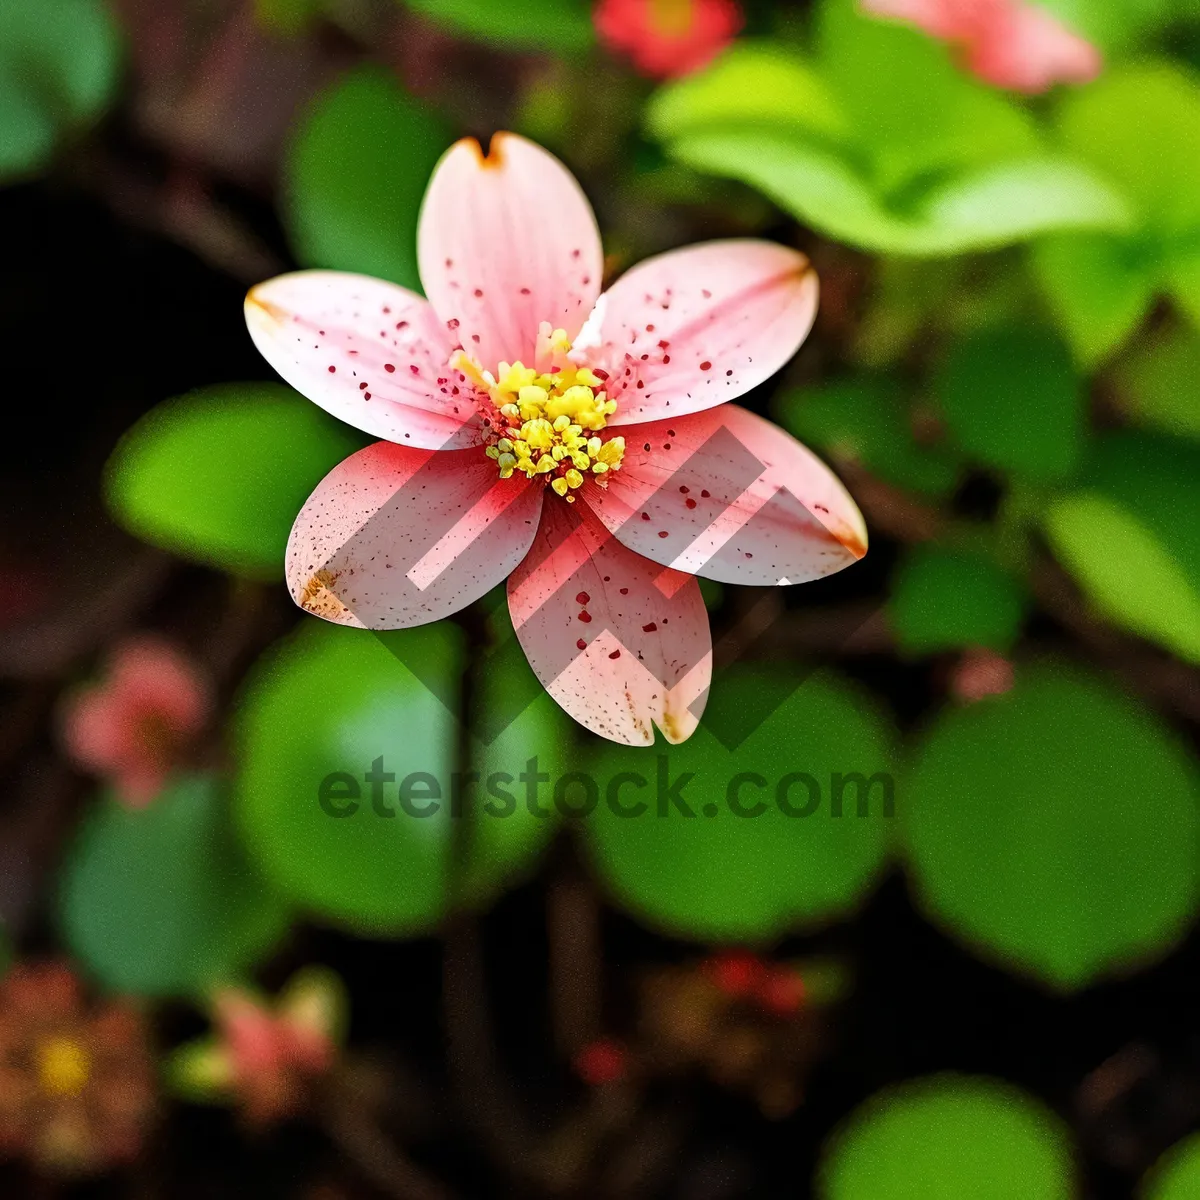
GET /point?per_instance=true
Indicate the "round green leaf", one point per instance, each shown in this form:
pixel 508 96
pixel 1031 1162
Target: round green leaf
pixel 715 874
pixel 562 25
pixel 1055 829
pixel 161 901
pixel 943 599
pixel 1012 399
pixel 219 475
pixel 948 1137
pixel 1122 538
pixel 332 707
pixel 1160 384
pixel 1177 1174
pixel 59 62
pixel 356 173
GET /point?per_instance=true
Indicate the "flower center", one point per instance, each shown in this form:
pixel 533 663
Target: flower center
pixel 63 1066
pixel 547 421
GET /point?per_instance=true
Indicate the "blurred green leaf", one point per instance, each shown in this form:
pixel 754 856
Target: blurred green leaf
pixel 943 599
pixel 1176 1176
pixel 318 713
pixel 753 84
pixel 978 209
pixel 1055 829
pixel 545 25
pixel 949 1137
pixel 864 421
pixel 1012 399
pixel 913 111
pixel 716 875
pixel 1139 125
pixel 161 901
pixel 219 475
pixel 356 173
pixel 59 63
pixel 1159 386
pixel 287 16
pixel 1100 289
pixel 1123 538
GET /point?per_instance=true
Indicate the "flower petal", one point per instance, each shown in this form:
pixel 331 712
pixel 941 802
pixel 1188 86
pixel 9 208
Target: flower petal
pixel 693 328
pixel 371 353
pixel 505 242
pixel 727 495
pixel 395 536
pixel 616 640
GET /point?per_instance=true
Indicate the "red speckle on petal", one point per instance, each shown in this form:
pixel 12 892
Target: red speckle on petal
pixel 706 365
pixel 581 644
pixel 649 628
pixel 662 533
pixel 585 617
pixel 705 493
pixel 624 591
pixel 690 502
pixel 615 654
pixel 332 369
pixel 390 368
pixel 582 598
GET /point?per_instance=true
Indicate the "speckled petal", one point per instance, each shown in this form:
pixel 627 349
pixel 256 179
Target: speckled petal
pixel 394 536
pixel 619 642
pixel 371 353
pixel 727 495
pixel 505 242
pixel 693 328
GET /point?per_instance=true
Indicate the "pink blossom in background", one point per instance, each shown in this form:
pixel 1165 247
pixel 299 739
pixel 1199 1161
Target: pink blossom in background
pixel 130 726
pixel 1010 43
pixel 981 673
pixel 667 38
pixel 578 444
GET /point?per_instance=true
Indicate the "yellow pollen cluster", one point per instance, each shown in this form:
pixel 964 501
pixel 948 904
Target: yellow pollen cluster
pixel 63 1065
pixel 548 421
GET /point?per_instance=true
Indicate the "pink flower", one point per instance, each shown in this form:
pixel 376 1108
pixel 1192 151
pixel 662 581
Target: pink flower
pixel 1010 43
pixel 621 406
pixel 666 38
pixel 130 727
pixel 266 1056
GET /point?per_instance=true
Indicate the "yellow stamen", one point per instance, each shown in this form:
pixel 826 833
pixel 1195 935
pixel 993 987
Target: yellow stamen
pixel 63 1066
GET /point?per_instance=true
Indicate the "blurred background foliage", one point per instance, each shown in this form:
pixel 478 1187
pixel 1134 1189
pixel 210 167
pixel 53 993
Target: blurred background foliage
pixel 1006 372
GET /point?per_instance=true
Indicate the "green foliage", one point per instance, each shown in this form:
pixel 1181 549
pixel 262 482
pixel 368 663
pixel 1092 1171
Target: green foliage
pixel 864 420
pixel 556 25
pixel 717 875
pixel 331 701
pixel 161 901
pixel 1140 126
pixel 998 386
pixel 1160 383
pixel 1055 829
pixel 947 1137
pixel 219 475
pixel 943 599
pixel 1177 1174
pixel 59 63
pixel 1125 537
pixel 355 176
pixel 287 16
pixel 880 142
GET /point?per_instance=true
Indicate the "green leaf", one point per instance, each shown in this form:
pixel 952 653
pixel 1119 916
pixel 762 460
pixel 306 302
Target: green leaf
pixel 356 173
pixel 1141 125
pixel 753 84
pixel 59 62
pixel 984 208
pixel 947 1137
pixel 1055 829
pixel 287 16
pixel 1100 289
pixel 1012 399
pixel 716 875
pixel 161 901
pixel 219 475
pixel 319 712
pixel 1176 1176
pixel 546 25
pixel 1159 386
pixel 944 599
pixel 1123 538
pixel 864 421
pixel 911 108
